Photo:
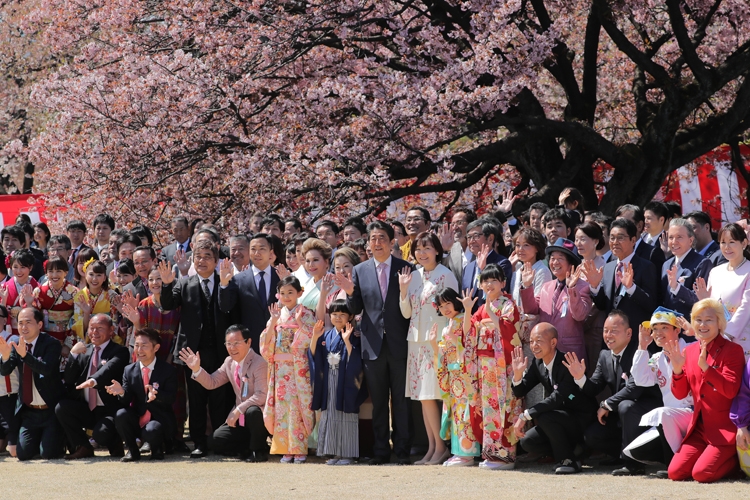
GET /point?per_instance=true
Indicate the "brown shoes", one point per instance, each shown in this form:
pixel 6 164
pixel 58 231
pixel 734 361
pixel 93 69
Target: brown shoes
pixel 81 452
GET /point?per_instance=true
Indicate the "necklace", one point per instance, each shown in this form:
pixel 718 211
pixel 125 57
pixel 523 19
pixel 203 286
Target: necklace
pixel 734 268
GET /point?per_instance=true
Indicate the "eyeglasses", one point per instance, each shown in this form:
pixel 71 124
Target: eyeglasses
pixel 231 345
pixel 474 236
pixel 203 257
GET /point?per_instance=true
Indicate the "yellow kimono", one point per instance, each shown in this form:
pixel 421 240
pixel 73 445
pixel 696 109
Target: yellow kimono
pixel 101 305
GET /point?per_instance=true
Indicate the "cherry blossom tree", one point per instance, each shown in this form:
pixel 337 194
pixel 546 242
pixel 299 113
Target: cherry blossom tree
pixel 222 108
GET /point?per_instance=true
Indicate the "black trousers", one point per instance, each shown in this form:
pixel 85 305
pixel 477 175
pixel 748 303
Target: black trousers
pixel 75 417
pixel 251 437
pixel 154 432
pixel 556 433
pixel 386 381
pixel 657 450
pixel 10 422
pixel 219 401
pixel 39 434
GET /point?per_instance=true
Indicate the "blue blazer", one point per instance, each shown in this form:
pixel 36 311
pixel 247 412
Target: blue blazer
pixel 351 390
pixel 692 266
pixel 467 280
pixel 241 299
pixel 134 397
pixel 379 317
pixel 45 367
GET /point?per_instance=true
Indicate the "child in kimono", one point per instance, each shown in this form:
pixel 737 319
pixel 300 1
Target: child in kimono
pixel 18 292
pixel 283 344
pixel 496 322
pixel 338 388
pixel 457 376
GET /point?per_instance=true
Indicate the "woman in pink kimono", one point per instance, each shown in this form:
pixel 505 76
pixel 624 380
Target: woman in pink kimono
pixel 283 344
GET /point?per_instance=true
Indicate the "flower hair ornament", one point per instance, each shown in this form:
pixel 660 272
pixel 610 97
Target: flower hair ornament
pixel 88 263
pixel 7 261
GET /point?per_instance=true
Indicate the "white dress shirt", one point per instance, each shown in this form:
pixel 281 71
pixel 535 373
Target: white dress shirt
pixel 37 399
pixel 624 261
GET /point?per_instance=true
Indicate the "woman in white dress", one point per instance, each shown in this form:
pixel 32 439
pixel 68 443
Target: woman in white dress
pixel 418 289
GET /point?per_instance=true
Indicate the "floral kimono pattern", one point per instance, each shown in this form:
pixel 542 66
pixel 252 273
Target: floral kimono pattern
pixel 101 304
pixel 287 414
pixel 457 375
pixel 15 302
pixel 500 408
pixel 58 307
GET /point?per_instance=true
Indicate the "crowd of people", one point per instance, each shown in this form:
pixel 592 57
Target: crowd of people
pixel 559 335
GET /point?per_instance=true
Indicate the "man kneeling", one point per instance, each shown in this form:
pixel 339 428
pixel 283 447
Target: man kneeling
pixel 247 372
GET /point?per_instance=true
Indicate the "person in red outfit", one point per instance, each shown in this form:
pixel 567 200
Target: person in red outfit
pixel 711 369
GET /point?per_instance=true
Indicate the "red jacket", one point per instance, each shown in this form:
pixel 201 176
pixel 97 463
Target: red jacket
pixel 714 389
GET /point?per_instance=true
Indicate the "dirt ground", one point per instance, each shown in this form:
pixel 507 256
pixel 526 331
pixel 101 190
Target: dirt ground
pixel 219 477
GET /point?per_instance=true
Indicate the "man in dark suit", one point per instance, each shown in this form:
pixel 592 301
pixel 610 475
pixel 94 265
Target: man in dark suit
pixel 619 415
pixel 37 355
pixel 460 255
pixel 704 242
pixel 564 414
pixel 76 231
pixel 481 236
pixel 181 234
pixel 373 291
pixel 88 371
pixel 679 273
pixel 249 293
pixel 144 259
pixel 628 283
pixel 652 253
pixel 147 392
pixel 202 327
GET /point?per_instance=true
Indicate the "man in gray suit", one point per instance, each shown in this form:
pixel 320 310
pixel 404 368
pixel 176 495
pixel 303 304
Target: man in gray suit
pixel 455 239
pixel 181 234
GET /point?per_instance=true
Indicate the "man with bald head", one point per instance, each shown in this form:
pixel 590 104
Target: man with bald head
pixel 565 411
pixel 89 406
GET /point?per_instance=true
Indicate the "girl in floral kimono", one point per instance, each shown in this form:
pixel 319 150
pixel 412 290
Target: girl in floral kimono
pixel 283 344
pixel 18 292
pixel 55 299
pixel 457 376
pixel 496 322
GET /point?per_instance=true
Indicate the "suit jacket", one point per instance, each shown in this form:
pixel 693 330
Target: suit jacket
pixel 137 287
pixel 455 261
pixel 253 376
pixel 112 362
pixel 652 253
pixel 241 299
pixel 563 395
pixel 620 382
pixel 169 251
pixel 712 390
pixel 163 374
pixel 186 294
pixel 641 304
pixel 379 317
pixel 468 277
pixel 44 362
pixel 714 255
pixel 692 266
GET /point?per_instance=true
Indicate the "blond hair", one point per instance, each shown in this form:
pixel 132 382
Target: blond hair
pixel 713 305
pixel 321 246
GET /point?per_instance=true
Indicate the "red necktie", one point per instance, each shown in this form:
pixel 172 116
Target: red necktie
pixel 146 416
pixel 28 380
pixel 92 370
pixel 239 387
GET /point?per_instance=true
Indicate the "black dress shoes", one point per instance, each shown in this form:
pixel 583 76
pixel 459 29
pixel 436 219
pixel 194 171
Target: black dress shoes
pixel 198 452
pixel 145 448
pixel 629 471
pixel 157 454
pixel 379 460
pixel 403 460
pixel 258 457
pixel 131 457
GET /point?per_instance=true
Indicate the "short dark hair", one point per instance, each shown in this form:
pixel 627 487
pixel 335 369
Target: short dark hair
pixel 540 207
pixel 448 295
pixel 471 215
pixel 266 237
pixel 205 245
pixel 593 231
pixel 424 211
pixel 626 224
pixel 105 219
pixel 209 231
pixel 24 218
pixel 658 208
pixel 118 233
pixel 398 224
pixel 329 224
pixel 295 222
pixel 427 238
pixel 289 281
pixel 557 213
pixel 38 315
pixel 24 257
pixel 28 229
pixel 298 239
pixel 143 231
pixel 357 223
pixel 45 230
pixel 674 207
pixel 535 238
pixel 56 264
pixel 246 335
pixel 126 266
pixel 617 313
pixel 278 250
pixel 700 217
pixel 4 310
pixel 14 231
pixel 382 226
pixel 127 238
pixel 150 334
pixel 270 220
pixel 75 224
pixel 150 250
pixel 637 212
pixel 339 306
pixel 240 237
pixel 492 272
pixel 61 239
pixel 181 218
